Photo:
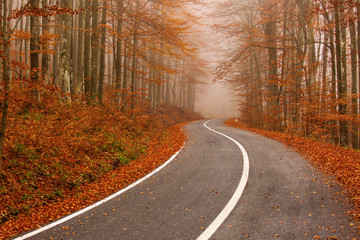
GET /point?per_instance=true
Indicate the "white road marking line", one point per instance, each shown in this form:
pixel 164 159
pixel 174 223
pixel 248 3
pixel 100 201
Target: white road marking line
pixel 235 198
pixel 71 216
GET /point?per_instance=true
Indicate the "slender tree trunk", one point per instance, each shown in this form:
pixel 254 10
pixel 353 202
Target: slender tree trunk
pixel 65 51
pixel 74 52
pixel 333 108
pixel 80 65
pixel 5 105
pixel 354 84
pixel 55 71
pixel 174 90
pixel 45 56
pixel 34 48
pixel 118 57
pixel 125 83
pixel 94 49
pixel 358 52
pixel 340 33
pixel 134 58
pixel 6 79
pixel 167 89
pixel 87 59
pixel 324 84
pixel 102 54
pixel 152 84
pixel 271 42
pixel 312 66
pixel 2 30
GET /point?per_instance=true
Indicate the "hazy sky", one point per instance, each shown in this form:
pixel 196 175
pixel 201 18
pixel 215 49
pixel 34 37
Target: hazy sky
pixel 214 101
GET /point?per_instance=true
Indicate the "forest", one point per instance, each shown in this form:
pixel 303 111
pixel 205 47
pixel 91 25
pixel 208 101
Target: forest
pixel 92 91
pixel 294 65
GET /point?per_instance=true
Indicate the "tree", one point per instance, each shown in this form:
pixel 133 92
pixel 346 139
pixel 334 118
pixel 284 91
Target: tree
pixel 87 59
pixel 6 35
pixel 45 55
pixel 354 77
pixel 65 49
pixel 34 46
pixel 270 30
pixel 340 38
pixel 102 54
pixel 94 49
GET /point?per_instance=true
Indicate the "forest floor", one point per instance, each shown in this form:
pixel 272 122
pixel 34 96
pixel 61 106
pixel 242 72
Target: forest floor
pixel 73 155
pixel 341 163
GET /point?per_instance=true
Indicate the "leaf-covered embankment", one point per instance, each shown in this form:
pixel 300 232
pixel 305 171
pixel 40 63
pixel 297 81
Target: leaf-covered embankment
pixel 71 156
pixel 341 163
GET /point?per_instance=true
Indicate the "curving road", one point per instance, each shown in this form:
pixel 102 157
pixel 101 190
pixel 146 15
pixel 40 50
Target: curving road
pixel 284 197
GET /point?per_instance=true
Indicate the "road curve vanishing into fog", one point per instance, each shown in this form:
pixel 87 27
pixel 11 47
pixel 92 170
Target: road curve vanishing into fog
pixel 280 196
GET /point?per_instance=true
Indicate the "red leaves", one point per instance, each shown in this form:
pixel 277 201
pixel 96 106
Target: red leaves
pixel 47 11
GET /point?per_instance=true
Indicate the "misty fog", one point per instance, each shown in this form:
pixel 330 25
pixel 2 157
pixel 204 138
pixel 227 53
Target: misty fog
pixel 213 100
pixel 216 102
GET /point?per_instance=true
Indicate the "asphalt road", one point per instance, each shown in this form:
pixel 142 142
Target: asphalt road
pixel 284 197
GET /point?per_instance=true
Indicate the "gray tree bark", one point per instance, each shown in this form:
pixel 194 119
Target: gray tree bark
pixel 34 48
pixel 94 50
pixel 102 54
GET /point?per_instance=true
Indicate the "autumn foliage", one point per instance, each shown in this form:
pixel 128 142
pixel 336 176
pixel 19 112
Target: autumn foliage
pixel 340 163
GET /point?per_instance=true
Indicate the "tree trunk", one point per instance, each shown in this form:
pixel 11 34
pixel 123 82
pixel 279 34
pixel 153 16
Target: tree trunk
pixel 55 71
pixel 34 48
pixel 74 50
pixel 324 85
pixel 134 58
pixel 45 56
pixel 6 79
pixel 80 65
pixel 87 59
pixel 358 52
pixel 94 49
pixel 271 42
pixel 125 83
pixel 65 51
pixel 354 79
pixel 340 33
pixel 102 54
pixel 333 108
